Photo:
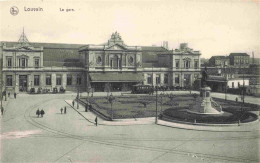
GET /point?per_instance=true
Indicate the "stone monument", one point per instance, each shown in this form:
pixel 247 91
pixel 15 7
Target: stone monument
pixel 204 104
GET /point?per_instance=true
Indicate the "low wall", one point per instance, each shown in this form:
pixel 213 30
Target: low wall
pixel 101 115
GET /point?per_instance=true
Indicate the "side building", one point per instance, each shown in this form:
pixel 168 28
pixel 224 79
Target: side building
pixel 40 66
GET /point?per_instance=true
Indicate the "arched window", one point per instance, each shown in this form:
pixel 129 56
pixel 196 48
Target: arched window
pixel 99 60
pixel 131 60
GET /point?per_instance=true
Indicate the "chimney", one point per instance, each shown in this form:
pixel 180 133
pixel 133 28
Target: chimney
pixel 183 46
pixel 165 44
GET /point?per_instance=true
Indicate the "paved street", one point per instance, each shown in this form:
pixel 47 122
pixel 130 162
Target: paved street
pixel 70 138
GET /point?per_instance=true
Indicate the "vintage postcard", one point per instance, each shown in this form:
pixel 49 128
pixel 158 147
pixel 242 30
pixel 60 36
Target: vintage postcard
pixel 130 81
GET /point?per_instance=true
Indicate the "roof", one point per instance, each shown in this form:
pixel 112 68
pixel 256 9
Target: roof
pixel 216 78
pixel 219 57
pixel 57 55
pixel 238 54
pixel 48 45
pixel 116 77
pixel 150 55
pixel 154 48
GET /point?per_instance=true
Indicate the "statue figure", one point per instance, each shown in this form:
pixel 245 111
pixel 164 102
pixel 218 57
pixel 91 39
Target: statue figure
pixel 204 78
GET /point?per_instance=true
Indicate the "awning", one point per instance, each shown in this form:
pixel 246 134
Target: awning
pixel 116 77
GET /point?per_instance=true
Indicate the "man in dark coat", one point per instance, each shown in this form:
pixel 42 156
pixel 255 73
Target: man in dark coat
pixel 73 103
pixel 2 110
pixel 65 110
pixel 61 110
pixel 42 113
pixel 14 95
pixel 38 113
pixel 96 121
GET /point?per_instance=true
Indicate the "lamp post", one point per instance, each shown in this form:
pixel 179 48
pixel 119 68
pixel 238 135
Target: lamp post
pixel 156 115
pixel 78 98
pixel 161 96
pixel 226 82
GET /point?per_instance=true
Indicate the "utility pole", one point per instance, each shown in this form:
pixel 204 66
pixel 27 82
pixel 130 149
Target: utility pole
pixel 156 115
pixel 1 79
pixel 226 82
pixel 78 98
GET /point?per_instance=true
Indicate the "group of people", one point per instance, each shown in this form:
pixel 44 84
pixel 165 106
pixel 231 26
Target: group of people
pixel 4 94
pixel 65 110
pixel 40 112
pixel 88 106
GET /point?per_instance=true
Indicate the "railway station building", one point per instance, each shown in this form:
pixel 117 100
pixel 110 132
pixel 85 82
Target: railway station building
pixel 113 66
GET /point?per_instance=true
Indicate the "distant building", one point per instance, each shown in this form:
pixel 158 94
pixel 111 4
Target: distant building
pixel 219 61
pixel 239 59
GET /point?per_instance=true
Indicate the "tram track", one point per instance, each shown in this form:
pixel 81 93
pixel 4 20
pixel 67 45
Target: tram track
pixel 107 141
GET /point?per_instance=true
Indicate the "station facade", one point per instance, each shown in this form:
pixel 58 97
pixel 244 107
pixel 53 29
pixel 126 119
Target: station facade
pixel 112 66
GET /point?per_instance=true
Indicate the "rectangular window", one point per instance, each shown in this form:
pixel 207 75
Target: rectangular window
pixel 23 62
pixel 158 79
pixel 196 64
pixel 69 80
pixel 177 79
pixel 58 80
pixel 177 64
pixel 78 80
pixel 149 79
pixel 48 79
pixel 9 80
pixel 165 78
pixel 36 62
pixel 186 64
pixel 36 80
pixel 9 62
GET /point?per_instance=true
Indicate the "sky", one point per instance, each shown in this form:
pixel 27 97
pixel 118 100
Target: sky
pixel 214 27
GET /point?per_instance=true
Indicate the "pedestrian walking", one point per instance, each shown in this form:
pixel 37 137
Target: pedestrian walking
pixel 73 103
pixel 8 94
pixel 61 110
pixel 2 111
pixel 236 99
pixel 38 113
pixel 65 110
pixel 42 113
pixel 96 121
pixel 14 95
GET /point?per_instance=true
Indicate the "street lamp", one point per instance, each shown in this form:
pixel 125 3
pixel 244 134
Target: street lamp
pixel 226 82
pixel 156 115
pixel 78 98
pixel 161 96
